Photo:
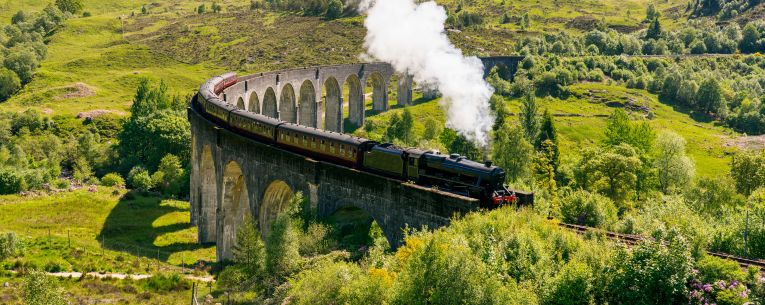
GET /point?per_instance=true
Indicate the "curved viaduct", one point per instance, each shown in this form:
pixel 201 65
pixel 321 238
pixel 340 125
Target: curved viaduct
pixel 234 177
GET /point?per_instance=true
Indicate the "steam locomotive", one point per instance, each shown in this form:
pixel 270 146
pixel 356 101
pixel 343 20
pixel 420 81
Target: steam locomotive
pixel 452 173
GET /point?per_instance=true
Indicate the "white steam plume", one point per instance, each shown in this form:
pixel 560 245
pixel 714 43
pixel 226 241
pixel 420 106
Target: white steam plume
pixel 411 37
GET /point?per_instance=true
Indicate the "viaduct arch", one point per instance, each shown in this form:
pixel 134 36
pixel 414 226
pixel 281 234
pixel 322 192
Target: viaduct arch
pixel 234 177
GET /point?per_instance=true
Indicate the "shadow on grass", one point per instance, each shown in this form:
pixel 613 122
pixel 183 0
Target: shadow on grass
pixel 693 114
pixel 130 227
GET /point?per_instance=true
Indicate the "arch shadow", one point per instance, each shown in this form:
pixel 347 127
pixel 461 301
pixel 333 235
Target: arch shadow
pixel 140 221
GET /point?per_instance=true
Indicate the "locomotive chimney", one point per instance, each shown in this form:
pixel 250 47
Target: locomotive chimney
pixel 487 163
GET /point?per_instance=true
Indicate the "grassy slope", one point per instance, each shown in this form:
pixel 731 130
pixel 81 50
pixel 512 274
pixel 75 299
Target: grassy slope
pixel 132 229
pixel 183 48
pixel 580 123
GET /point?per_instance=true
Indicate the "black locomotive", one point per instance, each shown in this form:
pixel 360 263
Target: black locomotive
pixel 451 173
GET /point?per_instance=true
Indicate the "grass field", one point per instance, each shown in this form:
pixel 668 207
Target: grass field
pixel 103 231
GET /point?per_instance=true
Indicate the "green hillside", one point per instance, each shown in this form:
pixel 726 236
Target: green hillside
pixel 581 120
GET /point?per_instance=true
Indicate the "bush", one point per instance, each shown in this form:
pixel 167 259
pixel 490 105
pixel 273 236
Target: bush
pixel 11 182
pixel 166 282
pixel 9 83
pixel 584 208
pixel 232 278
pixel 139 179
pixel 70 6
pixel 10 246
pixel 39 289
pixel 712 269
pixel 654 272
pixel 61 184
pixel 112 179
pixel 572 286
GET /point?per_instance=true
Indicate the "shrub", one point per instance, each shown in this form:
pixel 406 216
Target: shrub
pixel 112 179
pixel 61 184
pixel 232 278
pixel 86 14
pixel 10 246
pixel 654 272
pixel 39 289
pixel 712 269
pixel 572 286
pixel 11 182
pixel 9 83
pixel 166 282
pixel 70 6
pixel 588 209
pixel 57 265
pixel 139 179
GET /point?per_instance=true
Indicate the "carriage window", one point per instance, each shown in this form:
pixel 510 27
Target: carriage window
pixel 342 149
pixel 411 161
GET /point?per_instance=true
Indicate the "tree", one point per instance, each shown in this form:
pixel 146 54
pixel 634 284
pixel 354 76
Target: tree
pixel 11 182
pixel 282 254
pixel 544 168
pixel 9 83
pixel 710 97
pixel 432 129
pixel 69 6
pixel 458 144
pixel 168 175
pixel 19 17
pixel 525 21
pixel 748 171
pixel 201 9
pixel 671 86
pixel 529 117
pixel 334 9
pixel 249 250
pixel 217 8
pixel 749 40
pixel 654 30
pixel 23 62
pixel 675 168
pixel 687 92
pixel 651 13
pixel 548 132
pixel 513 152
pixel 620 130
pixel 157 127
pixel 613 171
pixel 505 18
pixel 39 289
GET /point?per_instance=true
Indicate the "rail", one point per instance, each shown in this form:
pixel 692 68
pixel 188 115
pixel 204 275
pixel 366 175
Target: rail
pixel 631 239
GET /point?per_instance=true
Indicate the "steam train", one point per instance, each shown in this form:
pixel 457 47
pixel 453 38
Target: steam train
pixel 452 173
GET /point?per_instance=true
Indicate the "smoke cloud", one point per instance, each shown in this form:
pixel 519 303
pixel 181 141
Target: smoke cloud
pixel 412 38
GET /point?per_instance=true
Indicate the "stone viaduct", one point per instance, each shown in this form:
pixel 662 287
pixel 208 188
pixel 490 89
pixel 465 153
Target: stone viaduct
pixel 234 177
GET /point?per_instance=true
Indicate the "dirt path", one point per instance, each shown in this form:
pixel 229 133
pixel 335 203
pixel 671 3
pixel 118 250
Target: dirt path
pixel 122 276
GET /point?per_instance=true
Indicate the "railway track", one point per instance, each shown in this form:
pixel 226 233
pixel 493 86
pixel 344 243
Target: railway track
pixel 631 239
